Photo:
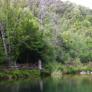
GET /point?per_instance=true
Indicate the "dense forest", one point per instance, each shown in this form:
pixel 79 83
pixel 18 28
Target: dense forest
pixel 50 30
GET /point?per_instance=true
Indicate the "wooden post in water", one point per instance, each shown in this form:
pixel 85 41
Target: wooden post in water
pixel 40 64
pixel 41 85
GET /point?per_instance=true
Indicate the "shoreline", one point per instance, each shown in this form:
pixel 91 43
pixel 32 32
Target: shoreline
pixel 15 74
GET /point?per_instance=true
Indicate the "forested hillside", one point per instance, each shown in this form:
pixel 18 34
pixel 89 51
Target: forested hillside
pixel 55 31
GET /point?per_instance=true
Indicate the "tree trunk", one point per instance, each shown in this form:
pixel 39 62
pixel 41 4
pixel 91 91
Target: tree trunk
pixel 5 44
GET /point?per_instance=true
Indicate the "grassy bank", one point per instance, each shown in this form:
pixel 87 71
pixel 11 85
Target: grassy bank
pixel 19 74
pixel 75 69
pixel 53 69
pixel 56 68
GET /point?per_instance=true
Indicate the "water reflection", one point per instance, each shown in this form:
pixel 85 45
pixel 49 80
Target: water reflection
pixel 41 85
pixel 65 84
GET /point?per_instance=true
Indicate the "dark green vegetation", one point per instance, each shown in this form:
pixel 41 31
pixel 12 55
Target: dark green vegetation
pixel 58 33
pixel 19 74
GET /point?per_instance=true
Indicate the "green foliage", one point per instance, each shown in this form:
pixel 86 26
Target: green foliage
pixel 53 66
pixel 66 33
pixel 72 39
pixel 17 74
pixel 21 28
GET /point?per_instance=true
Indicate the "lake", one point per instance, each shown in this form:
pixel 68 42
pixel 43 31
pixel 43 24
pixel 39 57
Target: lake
pixel 70 83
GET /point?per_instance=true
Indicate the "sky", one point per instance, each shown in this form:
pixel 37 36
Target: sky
pixel 86 3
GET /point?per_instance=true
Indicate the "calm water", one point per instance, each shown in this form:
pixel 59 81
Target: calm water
pixel 64 84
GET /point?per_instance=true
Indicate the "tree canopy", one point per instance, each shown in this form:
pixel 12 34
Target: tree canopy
pixel 58 31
